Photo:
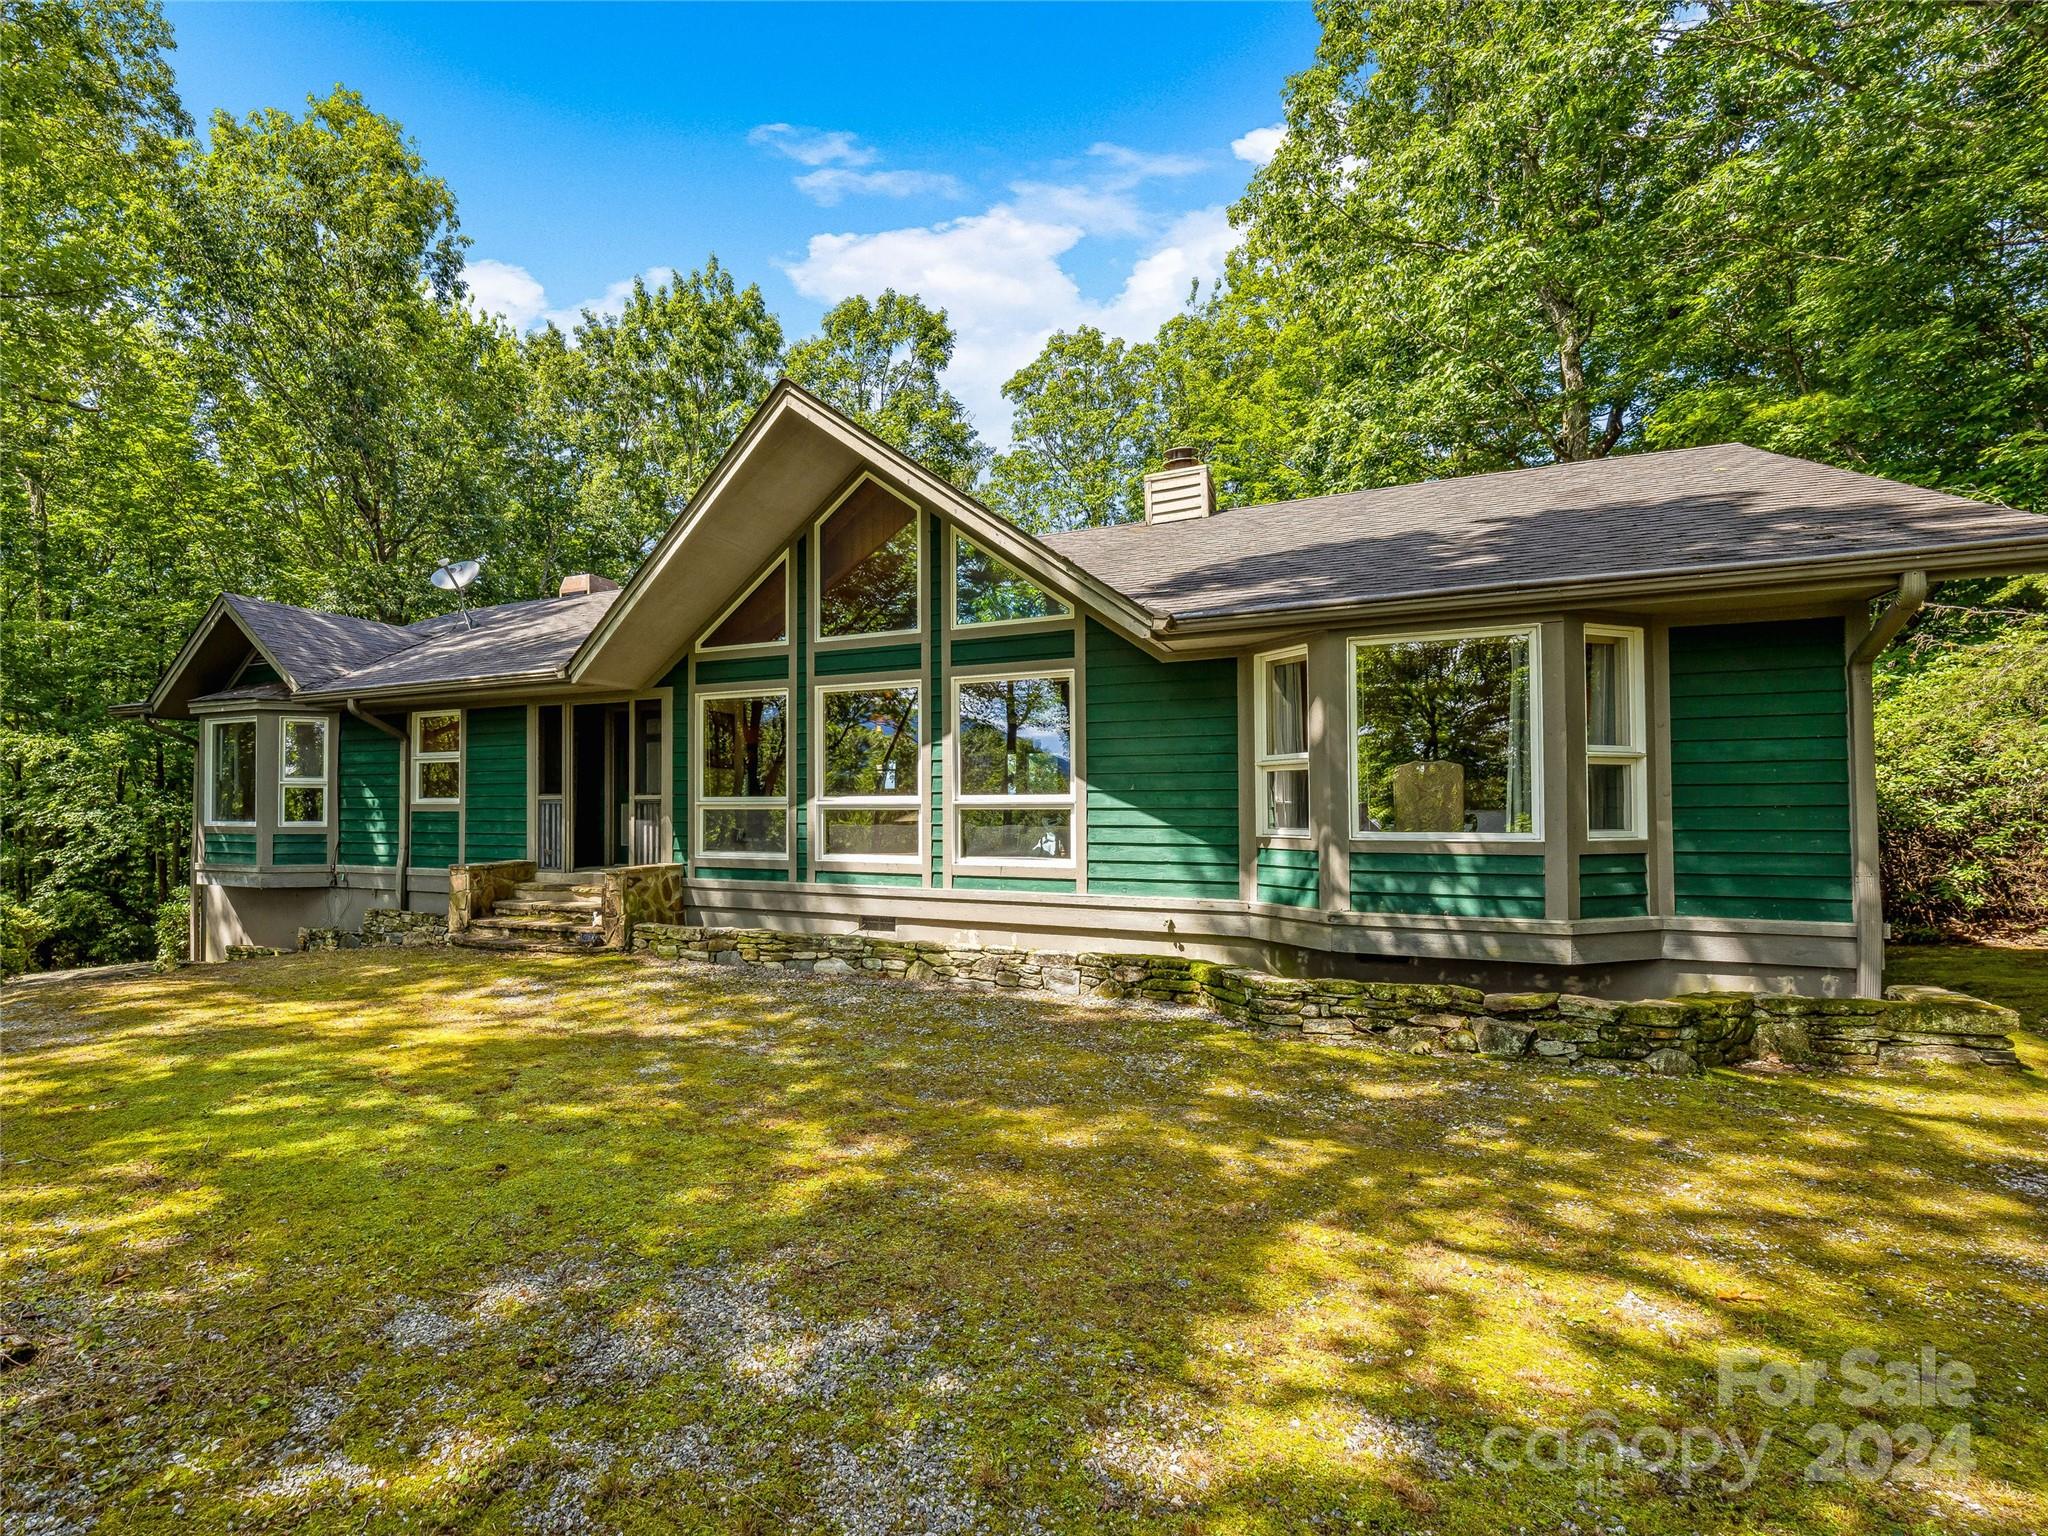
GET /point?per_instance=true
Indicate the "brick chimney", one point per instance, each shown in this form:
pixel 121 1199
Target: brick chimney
pixel 582 584
pixel 1179 490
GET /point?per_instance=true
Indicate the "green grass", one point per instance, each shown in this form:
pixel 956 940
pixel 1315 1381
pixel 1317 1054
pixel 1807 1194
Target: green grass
pixel 403 1240
pixel 2009 975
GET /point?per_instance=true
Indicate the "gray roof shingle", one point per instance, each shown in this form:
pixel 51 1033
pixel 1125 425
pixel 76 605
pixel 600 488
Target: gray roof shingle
pixel 1678 511
pixel 314 646
pixel 503 641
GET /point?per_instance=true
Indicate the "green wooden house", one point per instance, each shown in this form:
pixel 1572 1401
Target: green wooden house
pixel 1599 726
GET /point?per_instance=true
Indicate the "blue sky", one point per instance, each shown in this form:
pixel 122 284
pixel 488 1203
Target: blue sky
pixel 1028 167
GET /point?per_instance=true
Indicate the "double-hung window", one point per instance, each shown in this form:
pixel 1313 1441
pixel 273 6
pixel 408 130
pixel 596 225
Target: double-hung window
pixel 1015 803
pixel 1283 744
pixel 1445 735
pixel 742 775
pixel 1615 788
pixel 231 773
pixel 868 799
pixel 437 757
pixel 302 772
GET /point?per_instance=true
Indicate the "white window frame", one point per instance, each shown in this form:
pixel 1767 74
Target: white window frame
pixel 212 759
pixel 1534 634
pixel 1634 754
pixel 702 805
pixel 704 646
pixel 816 579
pixel 822 802
pixel 958 799
pixel 1281 762
pixel 990 626
pixel 285 782
pixel 421 758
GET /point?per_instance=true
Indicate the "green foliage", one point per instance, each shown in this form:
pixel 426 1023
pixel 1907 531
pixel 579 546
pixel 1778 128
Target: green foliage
pixel 174 930
pixel 1962 732
pixel 879 360
pixel 1087 427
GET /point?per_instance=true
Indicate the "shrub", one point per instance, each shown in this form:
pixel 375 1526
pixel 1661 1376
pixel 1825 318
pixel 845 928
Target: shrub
pixel 174 930
pixel 1962 782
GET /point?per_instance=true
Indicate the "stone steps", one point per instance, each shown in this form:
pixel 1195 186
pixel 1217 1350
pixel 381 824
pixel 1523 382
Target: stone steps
pixel 568 942
pixel 573 908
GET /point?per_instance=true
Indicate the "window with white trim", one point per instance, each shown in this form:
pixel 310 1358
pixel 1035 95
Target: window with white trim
pixel 437 757
pixel 1445 736
pixel 761 617
pixel 868 788
pixel 1015 802
pixel 987 590
pixel 742 775
pixel 1615 734
pixel 867 564
pixel 1282 726
pixel 302 771
pixel 231 773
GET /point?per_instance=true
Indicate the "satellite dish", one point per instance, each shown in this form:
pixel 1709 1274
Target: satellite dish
pixel 455 576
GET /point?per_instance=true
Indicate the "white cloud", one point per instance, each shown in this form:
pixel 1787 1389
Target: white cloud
pixel 812 146
pixel 511 293
pixel 1141 165
pixel 1260 145
pixel 832 184
pixel 1190 254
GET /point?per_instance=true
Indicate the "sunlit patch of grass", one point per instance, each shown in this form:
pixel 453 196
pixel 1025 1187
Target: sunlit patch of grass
pixel 398 1240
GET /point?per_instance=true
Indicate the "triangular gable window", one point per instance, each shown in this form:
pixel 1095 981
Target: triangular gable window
pixel 759 618
pixel 868 564
pixel 987 591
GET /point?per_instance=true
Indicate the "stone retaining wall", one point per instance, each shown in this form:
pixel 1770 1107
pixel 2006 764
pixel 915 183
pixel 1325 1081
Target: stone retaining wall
pixel 381 925
pixel 1678 1036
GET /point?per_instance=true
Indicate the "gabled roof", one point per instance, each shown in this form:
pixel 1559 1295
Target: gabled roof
pixel 502 643
pixel 310 646
pixel 1638 520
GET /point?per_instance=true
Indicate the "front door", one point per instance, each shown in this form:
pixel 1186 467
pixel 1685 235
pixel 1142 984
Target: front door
pixel 615 766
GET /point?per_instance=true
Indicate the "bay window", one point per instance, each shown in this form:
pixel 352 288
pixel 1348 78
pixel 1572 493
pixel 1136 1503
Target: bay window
pixel 987 591
pixel 1615 791
pixel 867 565
pixel 302 772
pixel 231 773
pixel 437 758
pixel 1015 802
pixel 742 765
pixel 868 796
pixel 1282 727
pixel 1445 739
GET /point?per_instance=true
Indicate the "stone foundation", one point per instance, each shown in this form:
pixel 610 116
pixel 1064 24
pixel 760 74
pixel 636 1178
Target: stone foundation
pixel 1678 1036
pixel 381 925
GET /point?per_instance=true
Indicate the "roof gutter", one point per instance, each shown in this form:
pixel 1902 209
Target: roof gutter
pixel 1898 613
pixel 404 786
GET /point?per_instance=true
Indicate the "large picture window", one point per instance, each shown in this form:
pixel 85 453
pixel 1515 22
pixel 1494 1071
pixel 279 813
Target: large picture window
pixel 1283 744
pixel 302 772
pixel 759 618
pixel 1445 735
pixel 868 796
pixel 867 564
pixel 437 758
pixel 1614 732
pixel 987 591
pixel 1016 796
pixel 231 773
pixel 742 768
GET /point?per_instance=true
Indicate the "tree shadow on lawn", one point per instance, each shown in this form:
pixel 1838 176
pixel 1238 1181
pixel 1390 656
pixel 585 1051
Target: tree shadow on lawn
pixel 357 1240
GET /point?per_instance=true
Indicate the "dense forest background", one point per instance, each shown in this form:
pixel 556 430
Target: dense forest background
pixel 1498 233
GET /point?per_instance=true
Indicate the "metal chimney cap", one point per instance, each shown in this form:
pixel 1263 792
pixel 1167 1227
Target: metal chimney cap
pixel 1180 458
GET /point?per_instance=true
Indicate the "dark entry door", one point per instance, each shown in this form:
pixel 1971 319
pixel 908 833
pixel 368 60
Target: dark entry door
pixel 589 835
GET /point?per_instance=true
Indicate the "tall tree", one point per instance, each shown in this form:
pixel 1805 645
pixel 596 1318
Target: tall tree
pixel 880 360
pixel 666 387
pixel 1087 427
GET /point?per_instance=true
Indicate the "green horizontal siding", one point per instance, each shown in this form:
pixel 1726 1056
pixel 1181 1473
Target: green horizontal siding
pixel 230 847
pixel 257 671
pixel 1047 886
pixel 299 848
pixel 744 669
pixel 1448 884
pixel 433 839
pixel 1614 885
pixel 679 763
pixel 745 872
pixel 1289 877
pixel 1760 772
pixel 494 784
pixel 861 877
pixel 369 795
pixel 1008 650
pixel 1162 773
pixel 834 661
